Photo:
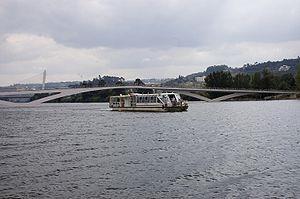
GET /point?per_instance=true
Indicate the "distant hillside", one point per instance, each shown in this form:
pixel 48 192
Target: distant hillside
pixel 276 67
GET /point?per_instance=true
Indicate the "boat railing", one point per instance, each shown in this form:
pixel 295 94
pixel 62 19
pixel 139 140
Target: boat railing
pixel 114 104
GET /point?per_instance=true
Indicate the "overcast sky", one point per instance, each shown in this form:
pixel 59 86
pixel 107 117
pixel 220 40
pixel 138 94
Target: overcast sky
pixel 79 39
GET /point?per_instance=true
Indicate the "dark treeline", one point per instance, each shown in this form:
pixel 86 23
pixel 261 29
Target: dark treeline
pixel 258 80
pixel 101 96
pixel 107 81
pixel 102 81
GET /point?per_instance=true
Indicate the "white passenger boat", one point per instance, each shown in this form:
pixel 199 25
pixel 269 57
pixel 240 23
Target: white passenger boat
pixel 157 102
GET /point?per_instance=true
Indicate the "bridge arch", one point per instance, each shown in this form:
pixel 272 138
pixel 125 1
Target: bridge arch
pixel 70 92
pixel 197 96
pixel 6 103
pixel 194 95
pixel 230 96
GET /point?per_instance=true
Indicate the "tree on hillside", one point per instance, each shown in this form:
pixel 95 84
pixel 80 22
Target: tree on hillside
pixel 120 83
pixel 267 79
pixel 298 77
pixel 256 80
pixel 216 68
pixel 139 82
pixel 241 81
pixel 102 81
pixel 219 80
pixel 286 82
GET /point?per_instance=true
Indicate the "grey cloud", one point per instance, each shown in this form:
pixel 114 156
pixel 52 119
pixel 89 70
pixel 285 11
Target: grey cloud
pixel 141 38
pixel 156 24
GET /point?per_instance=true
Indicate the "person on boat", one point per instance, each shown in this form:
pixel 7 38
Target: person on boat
pixel 173 100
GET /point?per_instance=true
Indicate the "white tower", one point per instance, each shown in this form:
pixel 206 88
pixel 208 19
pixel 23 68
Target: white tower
pixel 44 80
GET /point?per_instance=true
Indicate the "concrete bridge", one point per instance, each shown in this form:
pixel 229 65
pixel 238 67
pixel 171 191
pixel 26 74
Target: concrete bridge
pixel 59 93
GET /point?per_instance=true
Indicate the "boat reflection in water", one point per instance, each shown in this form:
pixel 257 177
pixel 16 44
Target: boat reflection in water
pixel 157 102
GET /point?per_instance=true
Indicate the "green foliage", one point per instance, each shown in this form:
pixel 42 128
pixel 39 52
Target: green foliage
pixel 217 68
pixel 120 83
pixel 259 80
pixel 256 80
pixel 139 82
pixel 241 81
pixel 102 81
pixel 298 77
pixel 219 80
pixel 286 82
pixel 267 79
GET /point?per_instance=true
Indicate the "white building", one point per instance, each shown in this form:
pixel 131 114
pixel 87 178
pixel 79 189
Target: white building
pixel 284 68
pixel 200 79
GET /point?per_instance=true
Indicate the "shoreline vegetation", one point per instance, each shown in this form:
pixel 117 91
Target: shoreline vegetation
pixel 265 80
pixel 220 76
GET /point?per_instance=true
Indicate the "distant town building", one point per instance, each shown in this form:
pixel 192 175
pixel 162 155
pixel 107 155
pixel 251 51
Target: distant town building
pixel 284 68
pixel 200 79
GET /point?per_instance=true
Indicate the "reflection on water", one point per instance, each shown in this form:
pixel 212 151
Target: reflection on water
pixel 228 149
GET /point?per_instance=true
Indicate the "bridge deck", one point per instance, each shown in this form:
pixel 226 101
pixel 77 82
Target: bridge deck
pixel 59 93
pixel 80 90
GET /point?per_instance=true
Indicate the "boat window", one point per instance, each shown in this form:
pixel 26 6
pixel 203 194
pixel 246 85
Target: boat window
pixel 178 97
pixel 164 98
pixel 172 97
pixel 148 98
pixel 153 99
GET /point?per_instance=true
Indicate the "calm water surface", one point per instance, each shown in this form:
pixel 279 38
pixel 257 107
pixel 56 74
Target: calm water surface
pixel 228 149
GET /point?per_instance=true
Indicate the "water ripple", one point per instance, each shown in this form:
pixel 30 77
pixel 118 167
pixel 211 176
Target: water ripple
pixel 215 150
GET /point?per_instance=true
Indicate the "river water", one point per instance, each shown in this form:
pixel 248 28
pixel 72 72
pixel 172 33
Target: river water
pixel 221 150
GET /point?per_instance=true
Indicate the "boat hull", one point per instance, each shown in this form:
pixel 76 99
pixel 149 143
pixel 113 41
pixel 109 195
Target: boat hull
pixel 156 102
pixel 152 109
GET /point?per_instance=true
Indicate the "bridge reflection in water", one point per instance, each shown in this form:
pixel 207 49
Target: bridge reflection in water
pixel 59 93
